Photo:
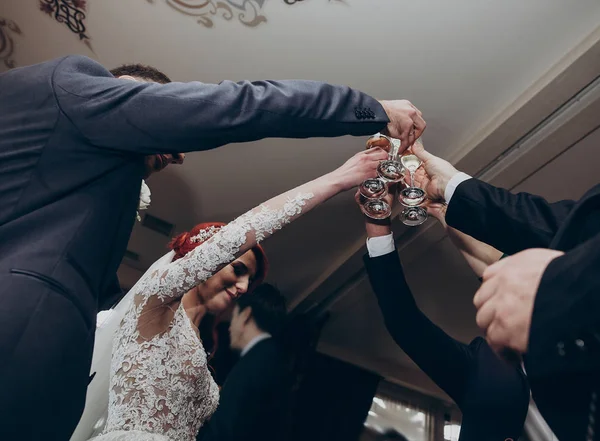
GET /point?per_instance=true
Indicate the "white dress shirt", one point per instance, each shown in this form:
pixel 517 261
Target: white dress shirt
pixel 454 182
pixel 254 342
pixel 382 245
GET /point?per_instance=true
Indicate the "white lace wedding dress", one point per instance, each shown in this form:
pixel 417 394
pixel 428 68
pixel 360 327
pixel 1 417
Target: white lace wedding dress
pixel 161 388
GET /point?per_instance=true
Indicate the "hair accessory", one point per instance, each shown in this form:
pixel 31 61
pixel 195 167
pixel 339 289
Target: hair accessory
pixel 205 234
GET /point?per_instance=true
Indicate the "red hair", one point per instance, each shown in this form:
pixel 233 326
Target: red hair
pixel 182 244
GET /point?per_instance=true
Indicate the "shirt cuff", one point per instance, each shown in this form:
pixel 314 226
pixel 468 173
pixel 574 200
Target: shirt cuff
pixel 454 182
pixel 381 245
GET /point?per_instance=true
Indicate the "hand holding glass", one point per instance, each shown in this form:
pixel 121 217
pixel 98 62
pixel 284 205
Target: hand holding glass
pixel 412 197
pixel 373 191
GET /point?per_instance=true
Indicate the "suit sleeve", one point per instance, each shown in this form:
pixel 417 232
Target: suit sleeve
pixel 565 326
pixel 151 118
pixel 508 222
pixel 445 360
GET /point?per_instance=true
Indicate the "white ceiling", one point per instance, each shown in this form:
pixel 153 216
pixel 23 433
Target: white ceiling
pixel 460 62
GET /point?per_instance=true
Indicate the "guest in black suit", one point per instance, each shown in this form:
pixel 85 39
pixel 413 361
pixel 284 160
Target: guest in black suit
pixel 492 394
pixel 75 143
pixel 542 301
pixel 480 256
pixel 253 399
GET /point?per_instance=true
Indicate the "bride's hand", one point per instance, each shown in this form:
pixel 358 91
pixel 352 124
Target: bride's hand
pixel 361 166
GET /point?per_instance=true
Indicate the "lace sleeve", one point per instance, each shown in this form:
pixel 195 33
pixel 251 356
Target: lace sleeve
pixel 223 248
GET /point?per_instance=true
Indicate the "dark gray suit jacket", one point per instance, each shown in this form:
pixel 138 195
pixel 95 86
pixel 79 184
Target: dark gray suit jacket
pixel 72 143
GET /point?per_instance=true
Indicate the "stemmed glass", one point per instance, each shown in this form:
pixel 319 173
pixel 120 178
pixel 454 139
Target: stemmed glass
pixel 373 191
pixel 412 197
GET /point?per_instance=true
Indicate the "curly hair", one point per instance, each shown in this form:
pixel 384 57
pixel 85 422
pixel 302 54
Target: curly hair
pixel 141 71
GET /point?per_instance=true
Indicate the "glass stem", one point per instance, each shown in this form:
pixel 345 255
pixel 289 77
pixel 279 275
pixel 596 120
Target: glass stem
pixel 412 178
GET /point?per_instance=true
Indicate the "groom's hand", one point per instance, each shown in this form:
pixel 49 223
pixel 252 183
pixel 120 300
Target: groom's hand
pixel 406 122
pixel 435 173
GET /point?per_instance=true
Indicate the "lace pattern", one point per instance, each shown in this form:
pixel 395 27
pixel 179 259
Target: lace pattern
pixel 161 385
pixel 205 260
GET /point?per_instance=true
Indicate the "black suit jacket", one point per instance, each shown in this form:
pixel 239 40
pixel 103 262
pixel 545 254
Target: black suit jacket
pixel 254 399
pixel 492 395
pixel 563 358
pixel 72 143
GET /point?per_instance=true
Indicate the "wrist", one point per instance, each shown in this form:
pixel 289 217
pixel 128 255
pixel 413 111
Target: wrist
pixel 384 104
pixel 451 182
pixel 378 228
pixel 442 222
pixel 332 183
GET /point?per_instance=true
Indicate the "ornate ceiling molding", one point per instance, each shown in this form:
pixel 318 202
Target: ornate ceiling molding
pixel 7 45
pixel 248 12
pixel 71 13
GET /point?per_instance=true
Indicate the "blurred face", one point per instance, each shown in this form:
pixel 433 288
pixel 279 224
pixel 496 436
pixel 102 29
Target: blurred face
pixel 156 163
pixel 237 325
pixel 220 291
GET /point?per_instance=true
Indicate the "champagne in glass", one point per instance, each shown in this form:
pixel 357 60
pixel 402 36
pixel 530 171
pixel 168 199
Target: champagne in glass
pixel 411 162
pixel 390 171
pixel 376 209
pixel 413 216
pixel 411 196
pixel 373 188
pixel 380 141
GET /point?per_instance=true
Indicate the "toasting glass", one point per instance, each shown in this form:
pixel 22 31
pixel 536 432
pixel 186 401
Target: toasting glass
pixel 373 191
pixel 412 197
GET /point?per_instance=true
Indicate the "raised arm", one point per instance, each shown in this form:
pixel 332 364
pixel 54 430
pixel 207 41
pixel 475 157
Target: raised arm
pixel 508 222
pixel 445 360
pixel 477 254
pixel 233 240
pixel 148 118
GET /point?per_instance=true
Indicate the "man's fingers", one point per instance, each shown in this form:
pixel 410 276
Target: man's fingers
pixel 485 292
pixel 419 124
pixel 485 315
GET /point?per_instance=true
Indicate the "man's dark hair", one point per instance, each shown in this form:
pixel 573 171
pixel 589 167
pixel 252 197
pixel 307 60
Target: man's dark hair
pixel 268 308
pixel 391 435
pixel 141 71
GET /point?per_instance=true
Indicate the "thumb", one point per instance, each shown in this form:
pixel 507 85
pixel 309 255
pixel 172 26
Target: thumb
pixel 420 151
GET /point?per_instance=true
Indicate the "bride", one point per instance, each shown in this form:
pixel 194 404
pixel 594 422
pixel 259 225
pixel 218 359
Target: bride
pixel 160 386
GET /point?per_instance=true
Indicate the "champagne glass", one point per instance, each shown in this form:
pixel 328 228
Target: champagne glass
pixel 411 197
pixel 372 191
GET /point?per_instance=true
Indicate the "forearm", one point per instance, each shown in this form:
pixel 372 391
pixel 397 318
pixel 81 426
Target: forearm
pixel 445 360
pixel 506 221
pixel 477 254
pixel 151 118
pixel 240 236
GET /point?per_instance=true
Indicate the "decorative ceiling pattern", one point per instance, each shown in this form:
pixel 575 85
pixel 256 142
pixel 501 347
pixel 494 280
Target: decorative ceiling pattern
pixel 7 45
pixel 71 13
pixel 248 12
